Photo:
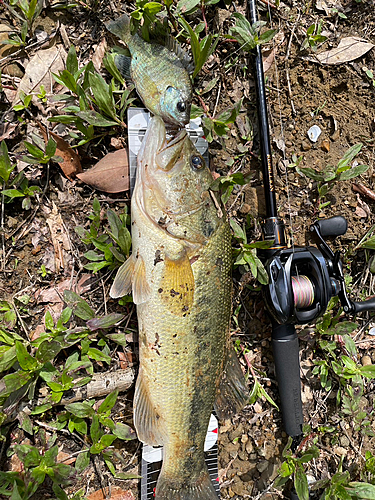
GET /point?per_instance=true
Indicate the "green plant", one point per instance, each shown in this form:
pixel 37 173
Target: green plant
pixel 293 467
pixel 370 75
pixel 248 35
pixel 92 102
pixel 342 172
pixel 17 186
pixel 113 244
pixel 26 12
pixel 313 37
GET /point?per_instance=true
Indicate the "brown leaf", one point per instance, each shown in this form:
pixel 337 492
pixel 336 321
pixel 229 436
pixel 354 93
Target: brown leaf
pixel 116 494
pixel 71 164
pixel 348 49
pixel 6 130
pixel 110 174
pixel 39 72
pixel 100 50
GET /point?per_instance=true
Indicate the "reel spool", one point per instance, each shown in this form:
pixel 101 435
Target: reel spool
pixel 303 292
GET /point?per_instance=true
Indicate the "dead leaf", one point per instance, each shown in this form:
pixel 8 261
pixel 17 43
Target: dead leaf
pixel 38 72
pixel 60 238
pixel 55 293
pixel 110 174
pixel 71 164
pixel 99 53
pixel 268 58
pixel 6 130
pixel 6 50
pixel 348 49
pixel 116 494
pixel 65 458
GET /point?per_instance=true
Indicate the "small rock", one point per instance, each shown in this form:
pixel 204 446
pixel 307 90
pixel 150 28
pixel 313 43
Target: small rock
pixel 344 441
pixel 262 466
pixel 339 450
pixel 335 135
pixel 249 447
pixel 325 146
pixel 305 146
pixel 245 208
pixel 244 438
pixel 366 360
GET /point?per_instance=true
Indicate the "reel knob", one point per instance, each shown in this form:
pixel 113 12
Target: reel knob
pixel 334 226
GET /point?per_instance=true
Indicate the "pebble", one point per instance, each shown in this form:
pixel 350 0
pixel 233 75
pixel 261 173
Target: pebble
pixel 335 135
pixel 344 441
pixel 306 146
pixel 339 450
pixel 366 360
pixel 325 146
pixel 262 466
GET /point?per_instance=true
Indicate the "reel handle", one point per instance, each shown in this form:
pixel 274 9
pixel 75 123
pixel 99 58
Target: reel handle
pixel 366 305
pixel 287 367
pixel 334 226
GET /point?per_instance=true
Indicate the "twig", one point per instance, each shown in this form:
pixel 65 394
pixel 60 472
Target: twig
pixel 365 191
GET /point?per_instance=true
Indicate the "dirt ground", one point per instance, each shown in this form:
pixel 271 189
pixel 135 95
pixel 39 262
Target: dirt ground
pixel 301 92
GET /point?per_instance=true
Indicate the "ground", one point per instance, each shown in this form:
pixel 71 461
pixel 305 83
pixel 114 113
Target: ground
pixel 42 254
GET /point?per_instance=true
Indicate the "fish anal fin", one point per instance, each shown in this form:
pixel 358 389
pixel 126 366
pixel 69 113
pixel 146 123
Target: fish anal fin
pixel 233 393
pixel 141 288
pixel 177 285
pixel 122 284
pixel 147 421
pixel 123 64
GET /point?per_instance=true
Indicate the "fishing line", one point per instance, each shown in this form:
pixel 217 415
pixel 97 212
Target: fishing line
pixel 303 291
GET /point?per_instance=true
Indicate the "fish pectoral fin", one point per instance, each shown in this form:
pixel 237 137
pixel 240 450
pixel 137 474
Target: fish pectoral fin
pixel 177 286
pixel 141 288
pixel 122 284
pixel 148 423
pixel 123 64
pixel 233 393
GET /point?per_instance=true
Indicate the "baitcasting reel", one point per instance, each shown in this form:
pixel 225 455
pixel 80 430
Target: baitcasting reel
pixel 302 280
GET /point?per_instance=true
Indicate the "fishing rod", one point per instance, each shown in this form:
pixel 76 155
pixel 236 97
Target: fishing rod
pixel 302 280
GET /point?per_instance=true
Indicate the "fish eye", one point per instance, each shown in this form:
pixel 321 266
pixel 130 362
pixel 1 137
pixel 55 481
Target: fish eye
pixel 196 162
pixel 181 106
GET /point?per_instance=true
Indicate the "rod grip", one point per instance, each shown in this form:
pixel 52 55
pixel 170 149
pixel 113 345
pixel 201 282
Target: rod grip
pixel 286 358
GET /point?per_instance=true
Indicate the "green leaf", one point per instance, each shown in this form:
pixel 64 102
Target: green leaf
pixel 108 403
pixel 5 166
pixel 311 173
pixel 102 94
pixel 83 461
pixel 123 431
pixel 353 172
pixel 25 360
pixel 12 193
pixel 81 410
pixel 8 358
pixel 78 305
pixel 349 155
pixel 300 484
pixel 67 79
pixel 105 322
pixel 72 61
pixel 368 371
pixel 94 118
pixel 51 147
pixel 97 355
pixel 363 490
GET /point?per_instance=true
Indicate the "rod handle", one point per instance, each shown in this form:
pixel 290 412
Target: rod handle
pixel 366 305
pixel 286 358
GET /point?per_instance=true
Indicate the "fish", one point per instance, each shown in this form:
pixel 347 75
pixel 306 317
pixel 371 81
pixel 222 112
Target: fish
pixel 159 73
pixel 179 273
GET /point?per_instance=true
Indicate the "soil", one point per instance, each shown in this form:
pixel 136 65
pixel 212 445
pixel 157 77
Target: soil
pixel 301 93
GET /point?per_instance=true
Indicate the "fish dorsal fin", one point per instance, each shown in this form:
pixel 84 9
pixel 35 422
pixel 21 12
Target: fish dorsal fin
pixel 177 286
pixel 233 393
pixel 146 419
pixel 122 284
pixel 141 288
pixel 172 44
pixel 123 64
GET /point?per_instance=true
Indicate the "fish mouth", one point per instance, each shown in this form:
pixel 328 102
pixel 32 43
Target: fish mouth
pixel 168 156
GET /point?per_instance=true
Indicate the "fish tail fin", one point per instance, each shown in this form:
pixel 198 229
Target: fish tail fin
pixel 120 27
pixel 191 489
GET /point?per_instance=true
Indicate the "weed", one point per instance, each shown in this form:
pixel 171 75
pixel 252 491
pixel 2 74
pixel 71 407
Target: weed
pixel 313 37
pixel 14 186
pixel 342 172
pixel 248 35
pixel 112 247
pixel 26 12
